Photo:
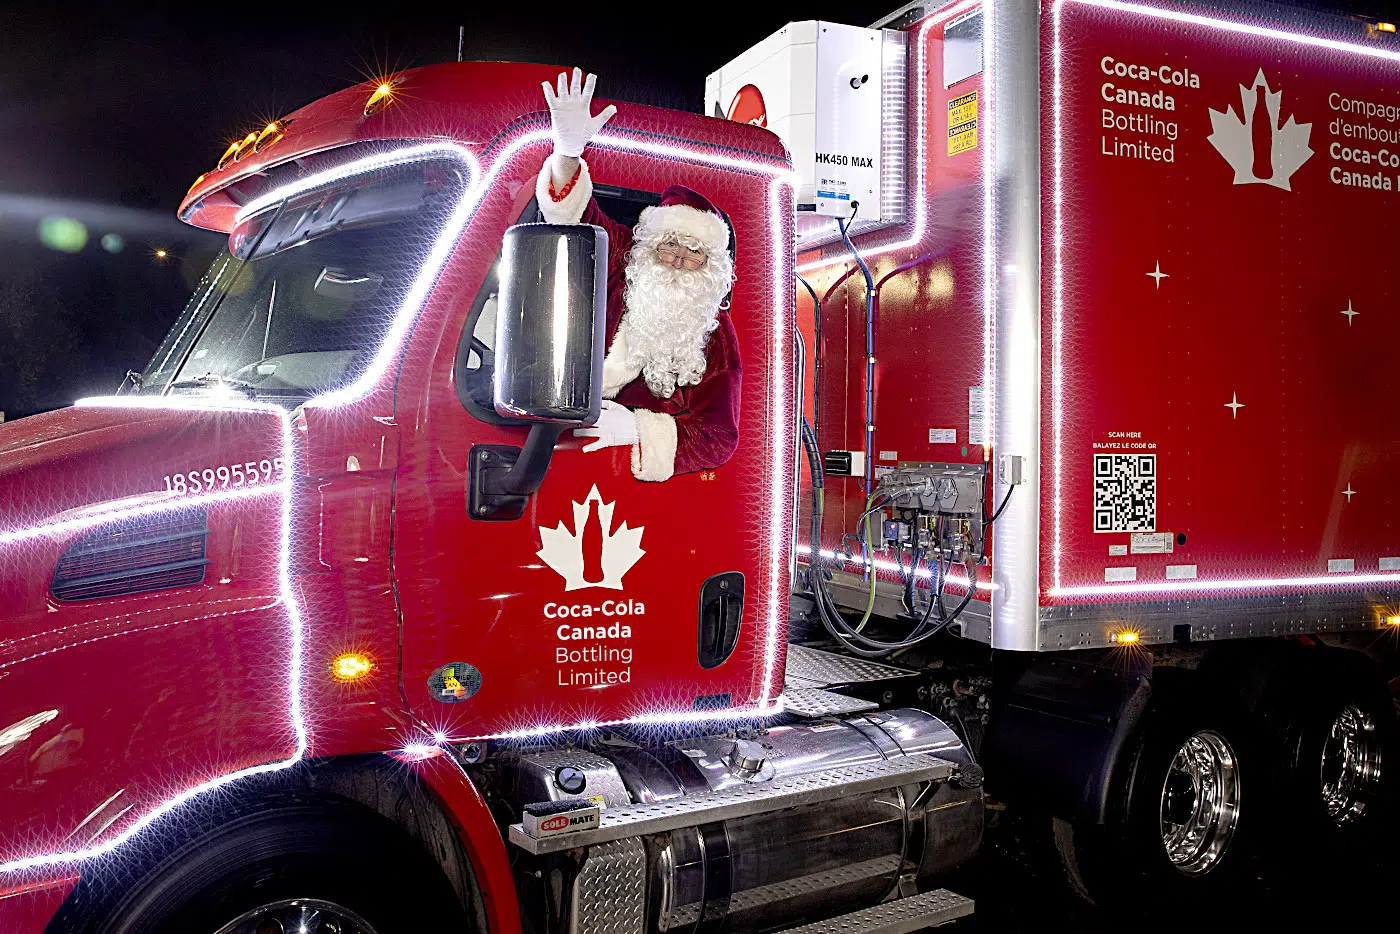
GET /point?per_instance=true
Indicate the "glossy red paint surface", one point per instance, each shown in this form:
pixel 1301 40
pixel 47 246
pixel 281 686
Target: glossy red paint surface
pixel 27 907
pixel 1253 309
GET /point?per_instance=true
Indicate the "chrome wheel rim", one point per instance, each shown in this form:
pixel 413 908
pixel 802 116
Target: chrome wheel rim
pixel 1200 804
pixel 298 916
pixel 1350 769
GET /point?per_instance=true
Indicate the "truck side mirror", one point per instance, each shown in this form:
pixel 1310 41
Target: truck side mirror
pixel 550 321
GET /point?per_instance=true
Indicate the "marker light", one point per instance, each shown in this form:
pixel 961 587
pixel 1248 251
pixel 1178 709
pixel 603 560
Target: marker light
pixel 382 97
pixel 1385 27
pixel 234 152
pixel 1392 620
pixel 161 254
pixel 1125 637
pixel 271 133
pixel 350 666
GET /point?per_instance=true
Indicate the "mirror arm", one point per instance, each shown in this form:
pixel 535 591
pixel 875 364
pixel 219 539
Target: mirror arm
pixel 502 477
pixel 526 475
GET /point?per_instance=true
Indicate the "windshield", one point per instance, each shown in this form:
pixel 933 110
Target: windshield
pixel 302 299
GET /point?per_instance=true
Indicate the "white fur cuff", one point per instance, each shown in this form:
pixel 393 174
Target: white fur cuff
pixel 654 454
pixel 570 209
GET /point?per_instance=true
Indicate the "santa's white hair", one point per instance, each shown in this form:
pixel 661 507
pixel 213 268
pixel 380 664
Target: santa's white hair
pixel 671 313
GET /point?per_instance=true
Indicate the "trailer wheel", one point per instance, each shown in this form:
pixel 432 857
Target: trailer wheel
pixel 318 867
pixel 1179 823
pixel 1338 759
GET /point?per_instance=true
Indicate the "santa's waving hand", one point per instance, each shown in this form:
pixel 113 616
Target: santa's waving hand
pixel 672 374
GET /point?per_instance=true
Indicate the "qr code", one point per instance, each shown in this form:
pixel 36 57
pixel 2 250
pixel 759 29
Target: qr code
pixel 1125 492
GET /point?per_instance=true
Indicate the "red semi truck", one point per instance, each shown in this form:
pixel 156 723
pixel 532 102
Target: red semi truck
pixel 1067 474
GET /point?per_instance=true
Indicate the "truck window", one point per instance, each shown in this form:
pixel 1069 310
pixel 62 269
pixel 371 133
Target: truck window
pixel 302 300
pixel 474 352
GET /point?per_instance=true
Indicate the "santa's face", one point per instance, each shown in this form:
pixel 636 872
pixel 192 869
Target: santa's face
pixel 674 289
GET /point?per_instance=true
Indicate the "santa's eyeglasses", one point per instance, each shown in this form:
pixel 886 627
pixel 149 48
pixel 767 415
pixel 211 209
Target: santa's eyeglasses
pixel 678 254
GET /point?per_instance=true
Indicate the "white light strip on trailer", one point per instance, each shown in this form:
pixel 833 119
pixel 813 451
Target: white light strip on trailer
pixel 1058 307
pixel 892 567
pixel 391 347
pixel 1337 581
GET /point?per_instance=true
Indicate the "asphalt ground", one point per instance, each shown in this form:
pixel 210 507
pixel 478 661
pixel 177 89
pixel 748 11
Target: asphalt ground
pixel 1019 886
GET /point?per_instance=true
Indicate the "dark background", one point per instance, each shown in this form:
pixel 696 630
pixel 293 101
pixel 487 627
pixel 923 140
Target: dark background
pixel 108 113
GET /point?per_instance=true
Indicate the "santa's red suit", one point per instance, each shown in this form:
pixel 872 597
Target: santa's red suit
pixel 687 421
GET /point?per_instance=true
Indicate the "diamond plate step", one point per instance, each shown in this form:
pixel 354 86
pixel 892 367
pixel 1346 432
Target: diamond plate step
pixel 693 810
pixel 813 703
pixel 902 916
pixel 813 668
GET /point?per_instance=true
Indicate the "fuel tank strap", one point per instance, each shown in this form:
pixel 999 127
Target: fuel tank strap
pixel 623 822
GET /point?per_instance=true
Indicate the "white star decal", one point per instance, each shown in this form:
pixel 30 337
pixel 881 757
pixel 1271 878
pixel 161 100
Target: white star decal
pixel 1348 492
pixel 1158 275
pixel 1350 312
pixel 1234 405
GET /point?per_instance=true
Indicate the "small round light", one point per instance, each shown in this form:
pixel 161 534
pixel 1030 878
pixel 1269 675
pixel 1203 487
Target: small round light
pixel 350 666
pixel 1392 620
pixel 1125 637
pixel 162 254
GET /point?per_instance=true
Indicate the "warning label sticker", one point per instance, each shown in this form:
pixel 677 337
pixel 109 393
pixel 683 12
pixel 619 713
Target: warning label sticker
pixel 962 123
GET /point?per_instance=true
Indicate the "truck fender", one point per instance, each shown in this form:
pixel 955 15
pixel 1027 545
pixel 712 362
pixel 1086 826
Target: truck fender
pixel 1060 729
pixel 463 805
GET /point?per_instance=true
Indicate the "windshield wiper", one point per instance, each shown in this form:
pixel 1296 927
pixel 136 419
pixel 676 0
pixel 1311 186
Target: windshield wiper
pixel 211 380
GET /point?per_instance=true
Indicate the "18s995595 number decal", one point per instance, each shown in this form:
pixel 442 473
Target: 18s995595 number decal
pixel 225 476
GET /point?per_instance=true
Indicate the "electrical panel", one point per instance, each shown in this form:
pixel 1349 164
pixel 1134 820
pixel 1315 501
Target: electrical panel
pixel 938 507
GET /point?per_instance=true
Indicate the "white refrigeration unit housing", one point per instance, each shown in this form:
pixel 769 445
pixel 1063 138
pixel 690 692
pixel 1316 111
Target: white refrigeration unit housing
pixel 836 95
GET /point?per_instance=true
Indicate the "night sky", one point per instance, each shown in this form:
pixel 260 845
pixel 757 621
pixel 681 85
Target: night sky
pixel 108 113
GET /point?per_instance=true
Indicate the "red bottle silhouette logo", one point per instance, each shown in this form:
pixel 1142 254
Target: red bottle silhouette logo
pixel 593 546
pixel 1263 136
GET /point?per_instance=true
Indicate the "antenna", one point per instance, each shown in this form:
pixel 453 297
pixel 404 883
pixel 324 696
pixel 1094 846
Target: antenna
pixel 461 37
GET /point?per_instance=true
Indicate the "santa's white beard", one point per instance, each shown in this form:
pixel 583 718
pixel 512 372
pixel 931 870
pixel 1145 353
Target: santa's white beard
pixel 669 318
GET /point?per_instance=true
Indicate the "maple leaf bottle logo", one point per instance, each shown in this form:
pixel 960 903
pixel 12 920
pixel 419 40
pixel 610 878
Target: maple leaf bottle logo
pixel 610 552
pixel 1259 147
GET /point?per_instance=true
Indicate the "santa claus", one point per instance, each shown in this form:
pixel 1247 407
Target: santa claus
pixel 672 373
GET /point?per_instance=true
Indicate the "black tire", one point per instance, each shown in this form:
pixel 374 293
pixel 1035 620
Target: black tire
pixel 345 860
pixel 1163 839
pixel 1333 733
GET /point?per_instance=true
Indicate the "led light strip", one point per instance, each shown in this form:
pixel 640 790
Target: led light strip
pixel 287 596
pixel 408 311
pixel 920 196
pixel 892 567
pixel 1058 313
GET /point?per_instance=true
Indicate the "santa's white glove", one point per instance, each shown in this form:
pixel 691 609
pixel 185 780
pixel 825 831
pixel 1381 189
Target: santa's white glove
pixel 570 113
pixel 616 425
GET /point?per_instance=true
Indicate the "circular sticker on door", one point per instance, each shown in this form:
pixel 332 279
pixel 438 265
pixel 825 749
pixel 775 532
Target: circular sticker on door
pixel 454 682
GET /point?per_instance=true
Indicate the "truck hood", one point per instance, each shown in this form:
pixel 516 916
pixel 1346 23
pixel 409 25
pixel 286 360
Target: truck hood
pixel 85 456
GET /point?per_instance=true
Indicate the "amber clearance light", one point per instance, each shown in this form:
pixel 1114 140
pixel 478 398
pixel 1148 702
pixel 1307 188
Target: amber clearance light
pixel 350 666
pixel 383 96
pixel 269 135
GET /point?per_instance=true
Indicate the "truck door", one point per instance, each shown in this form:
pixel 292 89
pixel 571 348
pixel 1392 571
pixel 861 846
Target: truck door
pixel 611 597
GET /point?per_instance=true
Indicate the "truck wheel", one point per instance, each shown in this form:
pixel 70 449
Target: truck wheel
pixel 1338 763
pixel 321 868
pixel 1177 826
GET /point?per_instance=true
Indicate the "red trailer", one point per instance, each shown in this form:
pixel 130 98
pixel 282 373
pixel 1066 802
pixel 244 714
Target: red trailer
pixel 329 619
